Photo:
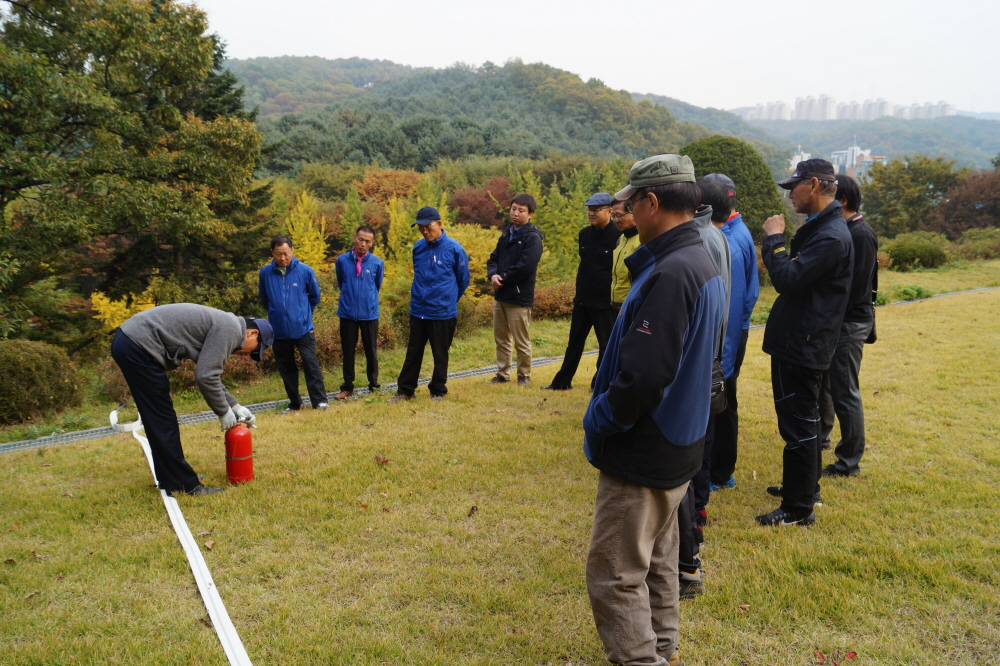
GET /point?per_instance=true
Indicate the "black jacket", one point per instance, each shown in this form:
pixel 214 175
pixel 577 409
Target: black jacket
pixel 593 277
pixel 813 281
pixel 860 303
pixel 516 262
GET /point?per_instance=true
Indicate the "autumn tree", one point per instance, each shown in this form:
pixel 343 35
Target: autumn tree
pixel 898 197
pixel 974 203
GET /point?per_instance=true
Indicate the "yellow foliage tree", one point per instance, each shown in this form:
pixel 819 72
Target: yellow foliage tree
pixel 307 229
pixel 113 314
pixel 478 244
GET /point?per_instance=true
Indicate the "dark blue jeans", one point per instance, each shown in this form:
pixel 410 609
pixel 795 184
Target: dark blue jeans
pixel 147 380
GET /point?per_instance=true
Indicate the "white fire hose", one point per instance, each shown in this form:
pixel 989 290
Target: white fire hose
pixel 230 640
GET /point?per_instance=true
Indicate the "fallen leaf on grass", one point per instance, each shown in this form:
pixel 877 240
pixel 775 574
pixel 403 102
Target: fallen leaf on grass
pixel 382 460
pixel 362 507
pixel 473 510
pixel 37 556
pixel 531 427
pixel 755 475
pixel 384 494
pixel 745 607
pixel 370 529
pixel 205 533
pixel 60 577
pixel 13 527
pixel 505 580
pixel 46 464
pixel 876 392
pixel 206 621
pixel 10 560
pixel 30 594
pixel 501 410
pixel 851 655
pixel 369 424
pixel 386 509
pixel 68 495
pixel 557 413
pixel 820 656
pixel 210 544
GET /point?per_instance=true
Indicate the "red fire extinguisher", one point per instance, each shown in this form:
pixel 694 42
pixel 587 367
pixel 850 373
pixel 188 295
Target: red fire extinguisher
pixel 239 454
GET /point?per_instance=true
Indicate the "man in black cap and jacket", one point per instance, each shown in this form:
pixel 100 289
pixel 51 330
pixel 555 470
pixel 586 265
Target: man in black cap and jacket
pixel 511 271
pixel 592 306
pixel 813 281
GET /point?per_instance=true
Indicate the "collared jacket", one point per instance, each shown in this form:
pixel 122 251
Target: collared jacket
pixel 359 293
pixel 440 277
pixel 744 288
pixel 648 415
pixel 718 248
pixel 289 299
pixel 172 333
pixel 515 260
pixel 593 277
pixel 864 281
pixel 621 281
pixel 813 280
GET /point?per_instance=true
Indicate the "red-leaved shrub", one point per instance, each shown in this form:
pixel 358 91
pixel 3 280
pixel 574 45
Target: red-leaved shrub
pixel 554 302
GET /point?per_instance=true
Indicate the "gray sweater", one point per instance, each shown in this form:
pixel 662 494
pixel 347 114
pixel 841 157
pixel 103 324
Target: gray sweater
pixel 718 248
pixel 172 333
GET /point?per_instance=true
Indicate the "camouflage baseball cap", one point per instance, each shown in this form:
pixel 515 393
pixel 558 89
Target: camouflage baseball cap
pixel 657 170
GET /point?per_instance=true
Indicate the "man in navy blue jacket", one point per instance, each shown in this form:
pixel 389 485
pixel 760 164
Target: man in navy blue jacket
pixel 646 422
pixel 359 276
pixel 289 291
pixel 440 277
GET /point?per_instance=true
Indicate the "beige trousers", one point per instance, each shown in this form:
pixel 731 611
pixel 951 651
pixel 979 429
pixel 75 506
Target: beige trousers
pixel 632 571
pixel 511 322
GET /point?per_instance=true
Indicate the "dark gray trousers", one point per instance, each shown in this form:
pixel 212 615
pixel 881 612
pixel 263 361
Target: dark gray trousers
pixel 284 358
pixel 840 395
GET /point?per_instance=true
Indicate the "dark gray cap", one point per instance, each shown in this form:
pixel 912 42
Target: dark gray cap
pixel 657 170
pixel 724 180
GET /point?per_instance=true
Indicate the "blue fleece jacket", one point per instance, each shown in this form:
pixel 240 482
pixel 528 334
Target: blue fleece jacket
pixel 647 418
pixel 359 293
pixel 440 277
pixel 744 290
pixel 289 299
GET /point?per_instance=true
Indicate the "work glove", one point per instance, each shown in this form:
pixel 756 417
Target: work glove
pixel 228 420
pixel 244 415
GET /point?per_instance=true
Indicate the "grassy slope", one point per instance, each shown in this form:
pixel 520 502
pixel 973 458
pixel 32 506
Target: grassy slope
pixel 331 558
pixel 477 350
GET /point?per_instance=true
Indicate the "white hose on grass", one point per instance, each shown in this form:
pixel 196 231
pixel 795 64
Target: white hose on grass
pixel 230 640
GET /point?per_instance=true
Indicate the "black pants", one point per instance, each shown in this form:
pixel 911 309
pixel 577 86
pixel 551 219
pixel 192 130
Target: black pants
pixel 439 332
pixel 689 536
pixel 284 358
pixel 147 380
pixel 700 482
pixel 584 318
pixel 349 329
pixel 796 401
pixel 727 424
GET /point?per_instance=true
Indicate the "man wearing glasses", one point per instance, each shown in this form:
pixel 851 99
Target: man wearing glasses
pixel 813 279
pixel 592 304
pixel 621 280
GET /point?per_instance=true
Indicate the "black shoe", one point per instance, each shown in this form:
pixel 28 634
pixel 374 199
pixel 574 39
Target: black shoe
pixel 290 409
pixel 775 491
pixel 831 470
pixel 399 397
pixel 553 387
pixel 523 381
pixel 202 489
pixel 437 398
pixel 782 517
pixel 499 380
pixel 824 446
pixel 691 584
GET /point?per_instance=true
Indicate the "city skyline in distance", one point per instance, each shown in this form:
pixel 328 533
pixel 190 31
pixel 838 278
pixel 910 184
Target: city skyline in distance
pixel 826 107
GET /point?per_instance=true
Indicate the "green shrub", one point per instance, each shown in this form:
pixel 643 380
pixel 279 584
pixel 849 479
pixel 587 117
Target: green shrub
pixel 917 250
pixel 976 244
pixel 36 378
pixel 914 292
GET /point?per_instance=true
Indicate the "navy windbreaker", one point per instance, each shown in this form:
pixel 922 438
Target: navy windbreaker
pixel 289 298
pixel 648 415
pixel 440 277
pixel 359 293
pixel 744 291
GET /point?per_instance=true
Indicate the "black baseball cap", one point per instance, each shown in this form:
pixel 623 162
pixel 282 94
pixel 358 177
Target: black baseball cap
pixel 815 168
pixel 264 340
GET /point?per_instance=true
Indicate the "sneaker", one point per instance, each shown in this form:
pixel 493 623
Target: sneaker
pixel 831 470
pixel 702 519
pixel 399 397
pixel 202 489
pixel 344 395
pixel 523 381
pixel 775 491
pixel 731 483
pixel 289 410
pixel 322 405
pixel 499 380
pixel 553 387
pixel 782 517
pixel 692 584
pixel 437 398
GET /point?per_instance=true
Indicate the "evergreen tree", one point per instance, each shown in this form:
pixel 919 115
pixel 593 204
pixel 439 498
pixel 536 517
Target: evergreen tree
pixel 898 197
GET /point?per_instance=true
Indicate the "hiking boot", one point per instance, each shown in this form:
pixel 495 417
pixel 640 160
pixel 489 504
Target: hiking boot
pixel 782 517
pixel 202 489
pixel 499 380
pixel 399 397
pixel 692 584
pixel 553 387
pixel 523 381
pixel 675 660
pixel 775 491
pixel 731 483
pixel 831 470
pixel 344 395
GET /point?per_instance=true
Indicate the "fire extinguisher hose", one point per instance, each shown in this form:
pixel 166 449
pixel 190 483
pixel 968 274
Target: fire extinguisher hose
pixel 224 628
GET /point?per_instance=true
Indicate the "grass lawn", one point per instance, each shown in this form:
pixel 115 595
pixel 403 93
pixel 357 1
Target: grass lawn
pixel 332 558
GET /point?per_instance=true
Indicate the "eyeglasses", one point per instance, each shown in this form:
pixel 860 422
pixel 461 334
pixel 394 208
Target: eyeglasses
pixel 597 209
pixel 616 218
pixel 630 204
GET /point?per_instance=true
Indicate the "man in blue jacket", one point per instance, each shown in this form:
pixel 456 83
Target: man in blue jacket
pixel 646 422
pixel 744 291
pixel 289 291
pixel 359 276
pixel 440 277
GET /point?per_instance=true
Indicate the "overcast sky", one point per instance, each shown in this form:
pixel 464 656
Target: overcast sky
pixel 722 53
